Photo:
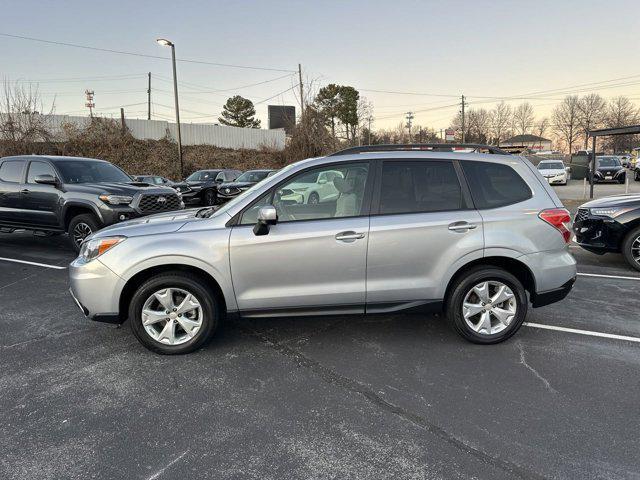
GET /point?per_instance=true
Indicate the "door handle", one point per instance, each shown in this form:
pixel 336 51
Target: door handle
pixel 350 235
pixel 461 226
pixel 25 191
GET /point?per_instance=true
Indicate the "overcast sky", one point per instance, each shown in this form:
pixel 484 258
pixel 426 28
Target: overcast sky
pixel 481 49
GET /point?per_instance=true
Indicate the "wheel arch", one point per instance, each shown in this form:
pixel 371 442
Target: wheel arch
pixel 512 265
pixel 73 209
pixel 136 280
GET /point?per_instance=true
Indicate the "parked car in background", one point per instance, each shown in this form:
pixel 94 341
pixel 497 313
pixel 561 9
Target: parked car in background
pixel 610 224
pixel 229 190
pixel 609 169
pixel 313 188
pixel 201 187
pixel 78 196
pixel 636 171
pixel 555 172
pixel 478 236
pixel 153 180
pixel 625 159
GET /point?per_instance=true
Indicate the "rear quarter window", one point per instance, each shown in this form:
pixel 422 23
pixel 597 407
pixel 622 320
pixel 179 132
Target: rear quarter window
pixel 495 185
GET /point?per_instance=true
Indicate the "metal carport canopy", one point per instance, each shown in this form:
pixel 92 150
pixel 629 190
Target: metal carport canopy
pixel 604 132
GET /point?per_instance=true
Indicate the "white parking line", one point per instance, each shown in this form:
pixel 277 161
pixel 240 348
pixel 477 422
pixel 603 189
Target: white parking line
pixel 619 277
pixel 55 267
pixel 582 332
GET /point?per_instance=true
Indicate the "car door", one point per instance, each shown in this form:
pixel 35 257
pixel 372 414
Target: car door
pixel 422 226
pixel 313 259
pixel 11 181
pixel 41 202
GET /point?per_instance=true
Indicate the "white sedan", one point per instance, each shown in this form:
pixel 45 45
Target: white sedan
pixel 555 172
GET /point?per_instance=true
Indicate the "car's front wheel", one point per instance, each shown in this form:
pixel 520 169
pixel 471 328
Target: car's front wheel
pixel 210 198
pixel 631 248
pixel 487 305
pixel 173 313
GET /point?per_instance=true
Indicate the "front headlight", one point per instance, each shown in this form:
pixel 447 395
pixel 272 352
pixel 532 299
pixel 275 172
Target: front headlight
pixel 611 212
pixel 116 199
pixel 95 247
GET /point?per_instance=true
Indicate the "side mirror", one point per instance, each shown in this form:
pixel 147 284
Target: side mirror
pixel 267 216
pixel 322 181
pixel 46 179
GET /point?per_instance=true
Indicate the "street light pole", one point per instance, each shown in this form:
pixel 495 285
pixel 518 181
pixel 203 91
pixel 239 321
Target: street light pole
pixel 167 43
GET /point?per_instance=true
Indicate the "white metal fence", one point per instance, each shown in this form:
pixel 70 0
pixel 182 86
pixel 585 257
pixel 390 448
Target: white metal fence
pixel 192 133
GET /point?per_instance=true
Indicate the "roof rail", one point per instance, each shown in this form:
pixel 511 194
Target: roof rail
pixel 430 147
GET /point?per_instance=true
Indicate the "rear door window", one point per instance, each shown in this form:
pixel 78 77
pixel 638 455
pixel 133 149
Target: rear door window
pixel 11 171
pixel 494 185
pixel 419 186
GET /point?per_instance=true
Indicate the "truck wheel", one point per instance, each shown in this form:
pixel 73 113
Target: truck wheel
pixel 487 305
pixel 80 227
pixel 173 313
pixel 631 248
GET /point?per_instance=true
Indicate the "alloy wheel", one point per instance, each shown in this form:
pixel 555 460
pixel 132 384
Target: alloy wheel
pixel 172 316
pixel 489 307
pixel 635 250
pixel 80 232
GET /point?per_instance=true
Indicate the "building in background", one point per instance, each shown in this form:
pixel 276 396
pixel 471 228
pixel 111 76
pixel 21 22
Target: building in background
pixel 530 142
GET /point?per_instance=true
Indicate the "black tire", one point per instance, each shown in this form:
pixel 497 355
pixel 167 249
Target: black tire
pixel 190 283
pixel 210 198
pixel 80 227
pixel 636 176
pixel 628 245
pixel 313 199
pixel 465 283
pixel 622 179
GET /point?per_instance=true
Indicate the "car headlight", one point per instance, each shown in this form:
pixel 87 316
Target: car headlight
pixel 611 212
pixel 116 199
pixel 95 247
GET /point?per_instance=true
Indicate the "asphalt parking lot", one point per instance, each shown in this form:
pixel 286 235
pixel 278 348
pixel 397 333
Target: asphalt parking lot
pixel 393 396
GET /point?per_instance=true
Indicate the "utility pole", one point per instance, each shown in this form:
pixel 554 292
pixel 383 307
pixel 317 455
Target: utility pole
pixel 123 125
pixel 409 118
pixel 149 98
pixel 301 90
pixel 90 103
pixel 463 119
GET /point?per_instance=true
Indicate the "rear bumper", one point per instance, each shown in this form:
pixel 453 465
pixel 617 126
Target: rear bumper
pixel 552 296
pixel 96 291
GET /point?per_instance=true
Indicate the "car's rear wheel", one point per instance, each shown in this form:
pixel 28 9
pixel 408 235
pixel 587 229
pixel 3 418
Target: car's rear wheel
pixel 487 305
pixel 173 313
pixel 80 227
pixel 636 176
pixel 631 248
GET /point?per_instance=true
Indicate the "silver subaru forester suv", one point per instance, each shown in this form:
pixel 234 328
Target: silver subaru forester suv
pixel 379 229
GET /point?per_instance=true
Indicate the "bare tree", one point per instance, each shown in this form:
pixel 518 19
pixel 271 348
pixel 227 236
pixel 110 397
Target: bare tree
pixel 523 118
pixel 541 128
pixel 621 112
pixel 566 116
pixel 365 118
pixel 592 113
pixel 480 125
pixel 500 120
pixel 22 120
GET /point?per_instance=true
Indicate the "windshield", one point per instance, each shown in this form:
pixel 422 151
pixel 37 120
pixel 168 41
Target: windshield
pixel 608 162
pixel 81 171
pixel 202 175
pixel 550 166
pixel 252 176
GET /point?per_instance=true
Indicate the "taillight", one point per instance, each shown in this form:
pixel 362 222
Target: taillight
pixel 558 218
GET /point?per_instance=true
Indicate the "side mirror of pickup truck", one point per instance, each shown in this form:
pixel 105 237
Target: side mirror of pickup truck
pixel 46 180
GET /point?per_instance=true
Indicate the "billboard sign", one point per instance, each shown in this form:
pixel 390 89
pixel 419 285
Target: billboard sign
pixel 282 116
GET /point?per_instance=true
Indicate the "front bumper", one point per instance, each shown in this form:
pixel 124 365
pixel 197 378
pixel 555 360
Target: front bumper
pixel 557 179
pixel 96 291
pixel 613 177
pixel 598 234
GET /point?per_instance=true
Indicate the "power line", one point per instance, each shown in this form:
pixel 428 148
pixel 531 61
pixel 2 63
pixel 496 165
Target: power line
pixel 135 54
pixel 276 95
pixel 203 89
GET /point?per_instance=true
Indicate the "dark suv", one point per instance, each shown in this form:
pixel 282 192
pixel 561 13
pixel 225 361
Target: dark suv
pixel 51 195
pixel 201 187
